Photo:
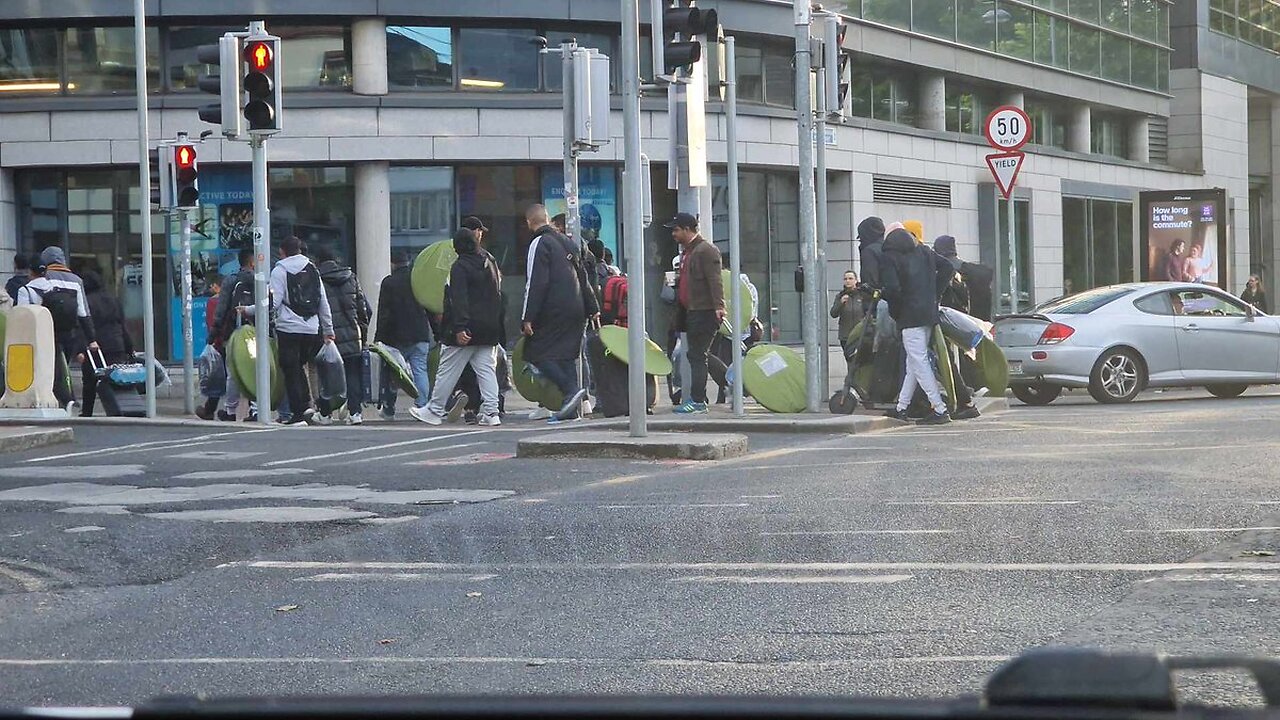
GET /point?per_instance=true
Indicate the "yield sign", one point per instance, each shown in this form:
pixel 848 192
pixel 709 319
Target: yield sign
pixel 1004 168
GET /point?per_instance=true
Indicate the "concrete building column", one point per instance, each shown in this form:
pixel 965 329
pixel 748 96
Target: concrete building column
pixel 1016 98
pixel 1139 139
pixel 1080 129
pixel 8 221
pixel 373 227
pixel 369 56
pixel 1271 231
pixel 933 102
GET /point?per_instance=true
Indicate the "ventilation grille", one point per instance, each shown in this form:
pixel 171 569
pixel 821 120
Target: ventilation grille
pixel 905 191
pixel 1158 140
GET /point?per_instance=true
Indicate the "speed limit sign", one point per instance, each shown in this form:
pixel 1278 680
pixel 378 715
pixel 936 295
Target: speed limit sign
pixel 1007 128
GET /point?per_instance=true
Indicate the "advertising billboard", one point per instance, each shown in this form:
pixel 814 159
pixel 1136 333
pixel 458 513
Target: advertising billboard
pixel 1184 236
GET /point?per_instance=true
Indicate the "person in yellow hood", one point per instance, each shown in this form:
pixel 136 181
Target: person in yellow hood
pixel 916 228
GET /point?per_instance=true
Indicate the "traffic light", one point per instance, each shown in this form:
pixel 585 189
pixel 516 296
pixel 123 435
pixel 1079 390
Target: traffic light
pixel 836 63
pixel 186 177
pixel 676 48
pixel 224 57
pixel 262 85
pixel 158 161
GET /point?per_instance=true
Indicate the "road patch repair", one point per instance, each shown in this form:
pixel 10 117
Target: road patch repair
pixel 613 444
pixel 25 437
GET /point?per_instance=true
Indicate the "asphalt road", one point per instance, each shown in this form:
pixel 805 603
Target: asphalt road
pixel 142 561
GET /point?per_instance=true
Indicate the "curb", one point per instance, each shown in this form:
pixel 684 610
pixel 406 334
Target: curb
pixel 33 438
pixel 659 446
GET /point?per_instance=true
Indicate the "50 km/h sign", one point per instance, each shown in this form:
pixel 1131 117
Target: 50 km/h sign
pixel 1007 128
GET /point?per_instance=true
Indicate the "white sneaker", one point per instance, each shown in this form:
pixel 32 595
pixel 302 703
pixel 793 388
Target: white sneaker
pixel 540 413
pixel 355 419
pixel 323 419
pixel 424 415
pixel 587 407
pixel 490 420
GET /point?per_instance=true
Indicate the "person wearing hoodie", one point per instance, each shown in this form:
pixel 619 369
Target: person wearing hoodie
pixel 54 286
pixel 471 330
pixel 351 312
pixel 113 338
pixel 870 251
pixel 21 274
pixel 914 276
pixel 404 325
pixel 303 324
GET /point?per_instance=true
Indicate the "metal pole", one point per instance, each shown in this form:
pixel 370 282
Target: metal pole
pixel 188 342
pixel 261 265
pixel 144 202
pixel 824 359
pixel 735 238
pixel 571 218
pixel 633 222
pixel 808 231
pixel 1013 255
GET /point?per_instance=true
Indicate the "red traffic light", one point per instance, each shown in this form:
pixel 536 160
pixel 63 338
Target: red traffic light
pixel 259 56
pixel 184 156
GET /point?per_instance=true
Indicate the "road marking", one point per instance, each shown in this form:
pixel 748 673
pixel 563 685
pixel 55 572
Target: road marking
pixel 630 506
pixel 95 510
pixel 155 445
pixel 84 529
pixel 382 577
pixel 393 456
pixel 981 503
pixel 82 472
pixel 272 514
pixel 1208 530
pixel 759 497
pixel 1218 577
pixel 794 579
pixel 859 532
pixel 523 661
pixel 622 480
pixel 217 455
pixel 239 474
pixel 758 566
pixel 125 495
pixel 371 448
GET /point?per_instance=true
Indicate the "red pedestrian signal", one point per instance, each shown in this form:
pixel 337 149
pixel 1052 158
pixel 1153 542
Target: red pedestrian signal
pixel 184 156
pixel 186 178
pixel 261 85
pixel 259 56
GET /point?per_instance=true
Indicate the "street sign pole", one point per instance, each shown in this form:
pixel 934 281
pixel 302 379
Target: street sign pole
pixel 188 341
pixel 633 221
pixel 144 205
pixel 261 265
pixel 1007 129
pixel 735 240
pixel 571 216
pixel 820 279
pixel 808 231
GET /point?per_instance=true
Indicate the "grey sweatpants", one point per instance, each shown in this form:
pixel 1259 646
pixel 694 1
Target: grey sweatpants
pixel 452 361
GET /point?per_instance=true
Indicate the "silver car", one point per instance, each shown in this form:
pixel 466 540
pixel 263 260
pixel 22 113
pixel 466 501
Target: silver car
pixel 1119 339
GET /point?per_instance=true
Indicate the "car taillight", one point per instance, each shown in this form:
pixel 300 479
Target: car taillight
pixel 1055 333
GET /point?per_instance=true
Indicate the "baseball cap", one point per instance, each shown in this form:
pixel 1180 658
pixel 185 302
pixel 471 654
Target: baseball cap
pixel 684 220
pixel 471 222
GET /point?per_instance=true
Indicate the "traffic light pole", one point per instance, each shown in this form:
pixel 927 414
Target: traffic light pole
pixel 811 320
pixel 144 205
pixel 735 240
pixel 571 216
pixel 820 278
pixel 261 265
pixel 633 221
pixel 188 342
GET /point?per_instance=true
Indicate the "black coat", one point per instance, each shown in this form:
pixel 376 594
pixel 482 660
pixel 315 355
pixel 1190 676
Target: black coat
pixel 473 299
pixel 956 294
pixel 348 306
pixel 914 276
pixel 236 290
pixel 558 298
pixel 108 322
pixel 401 320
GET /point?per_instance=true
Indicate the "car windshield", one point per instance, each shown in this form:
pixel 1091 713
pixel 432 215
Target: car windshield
pixel 1084 302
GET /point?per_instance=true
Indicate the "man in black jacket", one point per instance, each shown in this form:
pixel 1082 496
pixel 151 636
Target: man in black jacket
pixel 871 250
pixel 956 297
pixel 913 277
pixel 234 304
pixel 350 310
pixel 403 324
pixel 557 303
pixel 470 331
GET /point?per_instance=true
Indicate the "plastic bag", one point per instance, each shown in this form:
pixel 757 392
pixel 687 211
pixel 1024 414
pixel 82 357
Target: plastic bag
pixel 960 328
pixel 161 374
pixel 331 375
pixel 213 372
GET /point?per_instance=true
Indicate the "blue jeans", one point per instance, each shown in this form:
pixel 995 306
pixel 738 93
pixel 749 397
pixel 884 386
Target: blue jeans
pixel 563 373
pixel 416 356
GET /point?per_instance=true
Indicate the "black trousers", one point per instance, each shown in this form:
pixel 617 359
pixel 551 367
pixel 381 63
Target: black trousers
pixel 564 373
pixel 701 327
pixel 296 351
pixel 89 380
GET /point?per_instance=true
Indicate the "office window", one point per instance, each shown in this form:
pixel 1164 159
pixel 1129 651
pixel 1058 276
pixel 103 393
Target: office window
pixel 889 12
pixel 1015 30
pixel 934 17
pixel 1146 67
pixel 1115 58
pixel 1110 135
pixel 315 57
pixel 765 72
pixel 422 206
pixel 29 61
pixel 499 194
pixel 497 59
pixel 1084 9
pixel 552 62
pixel 419 58
pixel 1097 243
pixel 966 108
pixel 100 61
pixel 182 70
pixel 976 23
pixel 1084 51
pixel 317 204
pixel 1051 40
pixel 883 94
pixel 1049 126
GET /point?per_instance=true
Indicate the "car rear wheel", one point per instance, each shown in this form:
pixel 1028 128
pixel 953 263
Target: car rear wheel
pixel 1226 391
pixel 1117 377
pixel 1038 394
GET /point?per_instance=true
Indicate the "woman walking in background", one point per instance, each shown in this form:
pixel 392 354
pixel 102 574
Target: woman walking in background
pixel 1254 294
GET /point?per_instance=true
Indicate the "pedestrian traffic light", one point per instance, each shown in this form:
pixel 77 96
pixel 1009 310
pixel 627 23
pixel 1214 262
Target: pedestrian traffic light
pixel 676 48
pixel 224 58
pixel 262 84
pixel 161 179
pixel 836 63
pixel 186 177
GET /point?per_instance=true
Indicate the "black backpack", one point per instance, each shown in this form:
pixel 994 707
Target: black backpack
pixel 63 304
pixel 303 292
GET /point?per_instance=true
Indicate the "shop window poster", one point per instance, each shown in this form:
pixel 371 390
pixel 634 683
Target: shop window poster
pixel 597 199
pixel 1184 236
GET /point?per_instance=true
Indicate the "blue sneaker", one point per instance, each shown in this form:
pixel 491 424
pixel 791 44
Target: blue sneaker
pixel 692 408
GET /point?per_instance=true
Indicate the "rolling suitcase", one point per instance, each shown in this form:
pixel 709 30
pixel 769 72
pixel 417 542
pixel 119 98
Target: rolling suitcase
pixel 121 388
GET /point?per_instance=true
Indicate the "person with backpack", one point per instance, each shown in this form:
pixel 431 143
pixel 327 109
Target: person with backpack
pixel 351 313
pixel 233 305
pixel 303 324
pixel 61 292
pixel 21 274
pixel 471 330
pixel 113 337
pixel 613 301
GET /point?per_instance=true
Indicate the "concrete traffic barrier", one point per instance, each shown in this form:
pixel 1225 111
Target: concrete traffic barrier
pixel 30 355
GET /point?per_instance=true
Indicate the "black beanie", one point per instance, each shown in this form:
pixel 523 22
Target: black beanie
pixel 871 229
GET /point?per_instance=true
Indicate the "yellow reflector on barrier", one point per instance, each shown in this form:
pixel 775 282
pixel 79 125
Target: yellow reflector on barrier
pixel 20 367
